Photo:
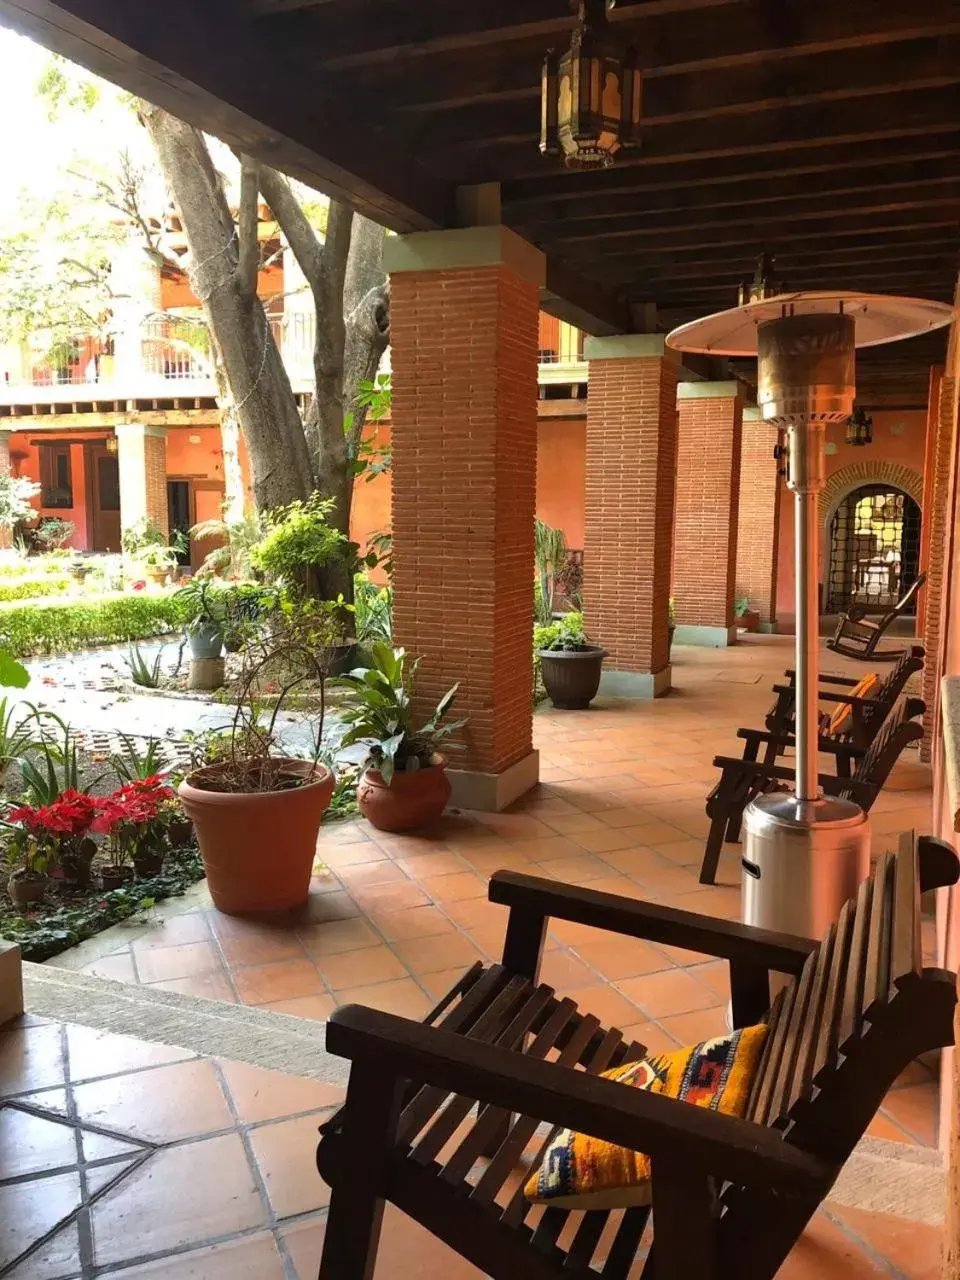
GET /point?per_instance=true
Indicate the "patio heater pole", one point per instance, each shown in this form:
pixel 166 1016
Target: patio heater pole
pixel 805 478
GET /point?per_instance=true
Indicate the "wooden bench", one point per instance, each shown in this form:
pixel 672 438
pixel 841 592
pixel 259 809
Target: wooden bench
pixel 743 780
pixel 731 1197
pixel 863 724
pixel 857 637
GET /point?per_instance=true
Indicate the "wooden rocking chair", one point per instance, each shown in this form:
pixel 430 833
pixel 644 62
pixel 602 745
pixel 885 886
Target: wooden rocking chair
pixel 730 1197
pixel 742 780
pixel 867 715
pixel 857 637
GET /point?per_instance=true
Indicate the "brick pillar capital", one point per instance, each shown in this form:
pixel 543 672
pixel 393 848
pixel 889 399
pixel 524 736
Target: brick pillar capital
pixel 463 248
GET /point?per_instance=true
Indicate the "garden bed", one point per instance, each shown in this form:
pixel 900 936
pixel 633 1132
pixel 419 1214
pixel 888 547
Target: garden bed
pixel 52 626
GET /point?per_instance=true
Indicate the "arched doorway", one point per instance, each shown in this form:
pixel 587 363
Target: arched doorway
pixel 874 548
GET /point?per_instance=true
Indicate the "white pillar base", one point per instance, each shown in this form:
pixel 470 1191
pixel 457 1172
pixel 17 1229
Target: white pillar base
pixel 707 637
pixel 493 792
pixel 11 982
pixel 635 684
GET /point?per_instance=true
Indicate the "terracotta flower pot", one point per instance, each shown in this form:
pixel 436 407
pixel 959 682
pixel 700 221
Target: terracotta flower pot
pixel 147 864
pixel 24 890
pixel 411 800
pixel 258 847
pixel 75 868
pixel 115 877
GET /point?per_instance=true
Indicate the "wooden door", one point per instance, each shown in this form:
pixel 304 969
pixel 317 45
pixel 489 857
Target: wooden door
pixel 103 472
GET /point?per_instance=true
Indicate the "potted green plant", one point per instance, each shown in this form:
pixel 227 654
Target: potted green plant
pixel 257 810
pixel 570 665
pixel 747 618
pixel 202 608
pixel 29 853
pixel 134 819
pixel 145 544
pixel 404 783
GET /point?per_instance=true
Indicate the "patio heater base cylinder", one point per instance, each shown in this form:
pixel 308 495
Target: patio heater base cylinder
pixel 802 859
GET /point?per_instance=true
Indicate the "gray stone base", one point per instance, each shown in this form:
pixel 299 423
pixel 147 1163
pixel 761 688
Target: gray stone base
pixel 492 792
pixel 767 628
pixel 635 684
pixel 707 637
pixel 11 982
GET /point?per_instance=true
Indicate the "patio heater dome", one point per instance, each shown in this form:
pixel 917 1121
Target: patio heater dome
pixel 804 856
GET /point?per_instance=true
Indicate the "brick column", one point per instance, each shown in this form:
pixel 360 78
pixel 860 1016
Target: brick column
pixel 464 316
pixel 758 518
pixel 142 460
pixel 631 477
pixel 708 495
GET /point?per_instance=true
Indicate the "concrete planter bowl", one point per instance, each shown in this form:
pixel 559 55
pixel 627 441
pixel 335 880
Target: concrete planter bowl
pixel 206 641
pixel 571 677
pixel 258 847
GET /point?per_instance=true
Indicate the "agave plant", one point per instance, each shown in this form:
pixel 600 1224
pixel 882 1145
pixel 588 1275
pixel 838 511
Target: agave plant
pixel 145 674
pixel 133 763
pixel 382 716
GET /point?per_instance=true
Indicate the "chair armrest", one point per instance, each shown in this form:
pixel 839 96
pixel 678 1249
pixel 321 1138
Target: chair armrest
pixel 824 744
pixel 711 1144
pixel 856 612
pixel 850 681
pixel 775 772
pixel 633 918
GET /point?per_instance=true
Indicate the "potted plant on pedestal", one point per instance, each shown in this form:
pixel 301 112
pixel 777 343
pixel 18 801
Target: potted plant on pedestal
pixel 257 810
pixel 155 556
pixel 404 784
pixel 202 607
pixel 569 664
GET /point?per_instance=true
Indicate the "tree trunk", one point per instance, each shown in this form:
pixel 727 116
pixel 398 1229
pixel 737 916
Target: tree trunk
pixel 264 402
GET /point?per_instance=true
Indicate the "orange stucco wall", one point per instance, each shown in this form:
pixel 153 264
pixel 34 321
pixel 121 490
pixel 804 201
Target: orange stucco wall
pixel 898 437
pixel 24 461
pixel 562 476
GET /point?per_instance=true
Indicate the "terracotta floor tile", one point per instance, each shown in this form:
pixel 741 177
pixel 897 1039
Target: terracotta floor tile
pixel 454 888
pixel 606 1004
pixel 210 986
pixel 286 1155
pixel 489 938
pixel 323 907
pixel 264 947
pixel 414 922
pixel 564 970
pixel 316 1008
pixel 28 1210
pixel 118 967
pixel 652 1036
pixel 605 840
pixel 914 1109
pixel 514 825
pixel 157 964
pixel 336 936
pixel 281 981
pixel 371 873
pixel 249 1258
pixel 191 926
pixel 31 1144
pixel 692 1028
pixel 633 861
pixel 825 1252
pixel 476 911
pixel 546 848
pixel 438 984
pixel 664 994
pixel 30 1058
pixel 431 863
pixel 162 1105
pixel 391 897
pixel 617 958
pixel 351 855
pixel 100 1053
pixel 575 870
pixel 148 1212
pixel 360 968
pixel 912 1247
pixel 569 824
pixel 883 1127
pixel 259 1094
pixel 403 998
pixel 444 951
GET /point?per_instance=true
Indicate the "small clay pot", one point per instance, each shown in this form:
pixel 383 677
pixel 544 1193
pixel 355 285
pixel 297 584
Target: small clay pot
pixel 26 889
pixel 411 800
pixel 156 575
pixel 115 877
pixel 147 864
pixel 258 847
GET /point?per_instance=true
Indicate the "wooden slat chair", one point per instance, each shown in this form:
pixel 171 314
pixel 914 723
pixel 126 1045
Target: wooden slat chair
pixel 857 637
pixel 743 780
pixel 501 1056
pixel 866 714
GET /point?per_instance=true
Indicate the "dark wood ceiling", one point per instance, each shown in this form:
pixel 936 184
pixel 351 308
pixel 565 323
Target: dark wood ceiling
pixel 825 132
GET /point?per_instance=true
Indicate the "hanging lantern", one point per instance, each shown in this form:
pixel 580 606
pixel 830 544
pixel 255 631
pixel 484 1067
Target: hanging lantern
pixel 591 96
pixel 859 428
pixel 111 444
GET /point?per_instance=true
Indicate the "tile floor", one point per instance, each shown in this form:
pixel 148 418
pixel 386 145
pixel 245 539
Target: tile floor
pixel 177 1167
pixel 393 920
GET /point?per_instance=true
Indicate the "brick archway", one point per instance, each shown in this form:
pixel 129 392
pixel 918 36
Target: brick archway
pixel 856 474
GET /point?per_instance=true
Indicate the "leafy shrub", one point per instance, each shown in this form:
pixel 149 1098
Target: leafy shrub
pixel 33 588
pixel 52 626
pixel 566 633
pixel 53 533
pixel 297 542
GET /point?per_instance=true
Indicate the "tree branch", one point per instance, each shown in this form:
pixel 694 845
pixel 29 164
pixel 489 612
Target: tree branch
pixel 294 224
pixel 248 226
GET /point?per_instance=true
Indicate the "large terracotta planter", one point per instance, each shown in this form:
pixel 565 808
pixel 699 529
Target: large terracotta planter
pixel 258 847
pixel 571 677
pixel 411 800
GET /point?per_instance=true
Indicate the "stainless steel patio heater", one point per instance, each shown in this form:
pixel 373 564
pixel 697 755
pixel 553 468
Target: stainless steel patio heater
pixel 804 854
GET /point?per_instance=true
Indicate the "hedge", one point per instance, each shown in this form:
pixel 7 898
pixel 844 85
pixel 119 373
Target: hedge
pixel 33 588
pixel 52 626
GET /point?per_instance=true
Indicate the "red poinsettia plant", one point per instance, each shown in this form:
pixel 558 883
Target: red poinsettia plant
pixel 43 836
pixel 134 818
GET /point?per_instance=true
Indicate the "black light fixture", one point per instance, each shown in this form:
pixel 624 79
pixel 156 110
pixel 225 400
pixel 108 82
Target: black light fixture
pixel 859 428
pixel 590 99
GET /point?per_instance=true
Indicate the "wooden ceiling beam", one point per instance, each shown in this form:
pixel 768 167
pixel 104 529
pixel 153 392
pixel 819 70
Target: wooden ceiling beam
pixel 790 266
pixel 206 64
pixel 914 172
pixel 582 302
pixel 912 113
